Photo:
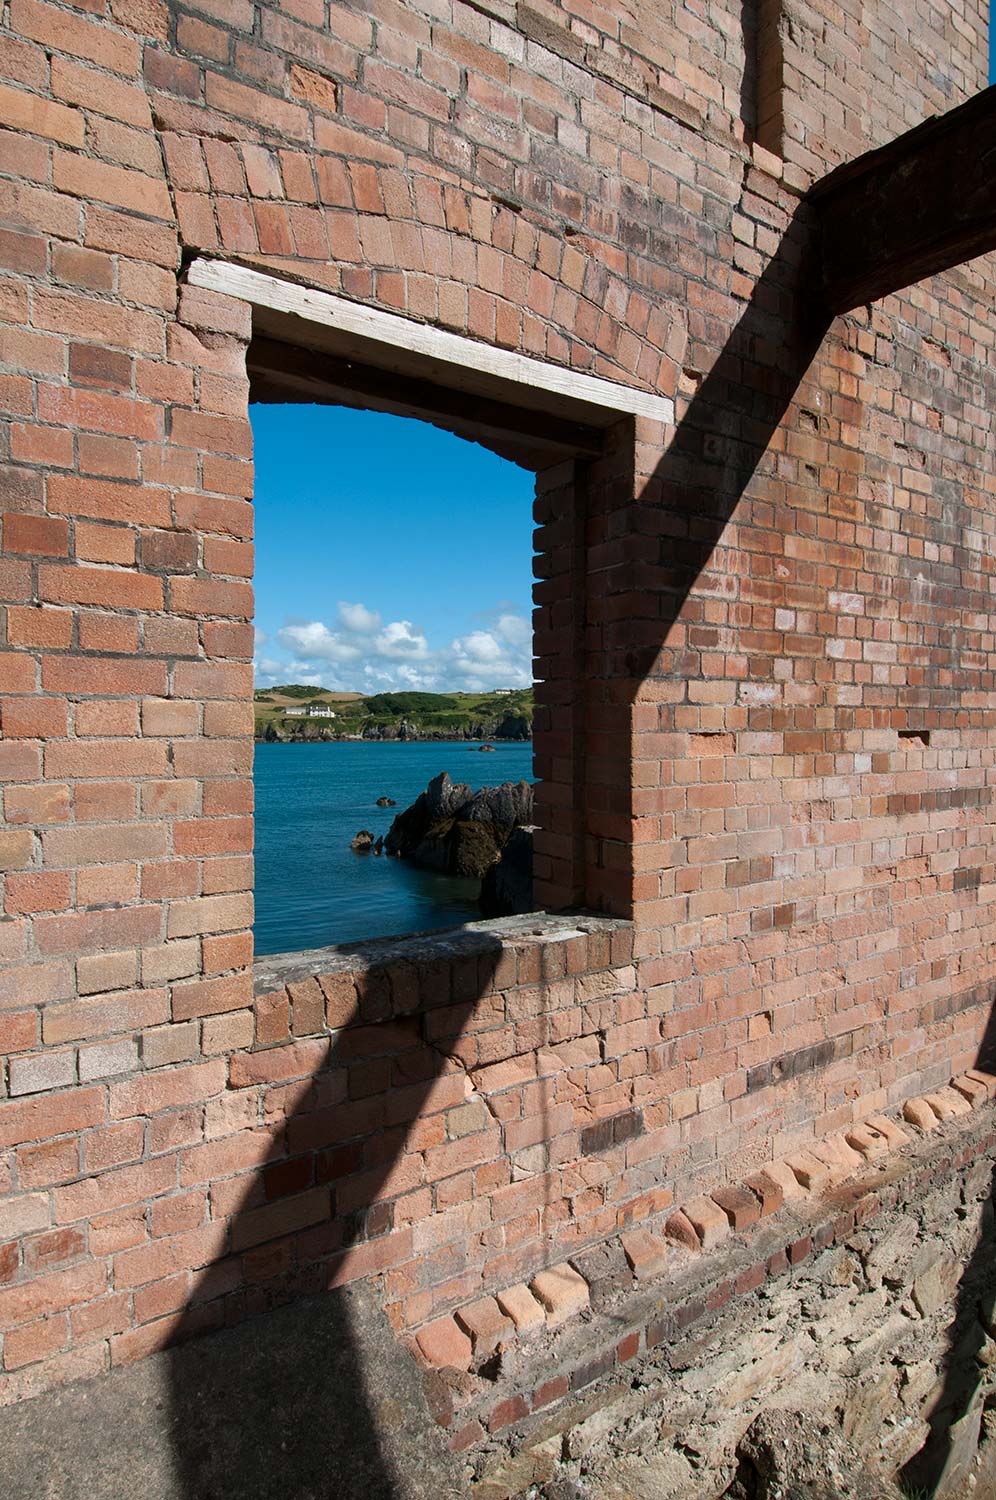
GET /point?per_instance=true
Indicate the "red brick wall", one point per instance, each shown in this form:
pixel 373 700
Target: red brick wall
pixel 834 80
pixel 774 598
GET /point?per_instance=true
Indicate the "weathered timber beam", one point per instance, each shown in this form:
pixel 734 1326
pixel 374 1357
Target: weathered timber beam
pixel 282 372
pixel 921 204
pixel 350 330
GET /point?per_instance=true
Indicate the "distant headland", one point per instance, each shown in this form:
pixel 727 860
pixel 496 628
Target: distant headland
pixel 295 713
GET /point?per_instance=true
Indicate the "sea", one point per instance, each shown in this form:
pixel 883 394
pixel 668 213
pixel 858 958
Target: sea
pixel 311 799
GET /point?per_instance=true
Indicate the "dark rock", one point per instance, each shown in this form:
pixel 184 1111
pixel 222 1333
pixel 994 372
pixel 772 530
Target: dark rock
pixel 507 888
pixel 460 832
pixel 564 1489
pixel 513 727
pixel 510 725
pixel 490 749
pixel 386 802
pixel 363 842
pixel 473 849
pixel 403 730
pixel 506 806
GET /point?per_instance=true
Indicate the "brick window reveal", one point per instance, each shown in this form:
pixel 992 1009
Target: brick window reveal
pixel 576 433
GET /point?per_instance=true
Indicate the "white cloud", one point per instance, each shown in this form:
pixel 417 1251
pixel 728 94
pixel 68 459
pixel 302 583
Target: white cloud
pixel 358 618
pixel 477 676
pixel 401 640
pixel 362 653
pixel 480 645
pixel 316 640
pixel 267 671
pixel 493 658
pixel 515 629
pixel 382 679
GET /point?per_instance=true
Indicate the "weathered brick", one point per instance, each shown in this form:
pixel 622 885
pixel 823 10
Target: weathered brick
pixel 43 1071
pixel 16 849
pixel 948 1104
pixel 988 1080
pixel 562 1292
pixel 23 1214
pixel 167 1090
pixel 58 1114
pixel 870 1143
pixel 970 1088
pixel 740 1207
pixel 680 1229
pixel 647 1255
pixel 108 1059
pixel 33 1341
pixel 710 1222
pixel 745 685
pixel 43 536
pixel 768 1191
pixel 519 1304
pixel 919 1113
pixel 894 1135
pixel 486 1324
pixel 811 1173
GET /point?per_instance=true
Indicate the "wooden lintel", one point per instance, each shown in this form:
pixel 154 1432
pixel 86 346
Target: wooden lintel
pixel 921 204
pixel 279 372
pixel 306 316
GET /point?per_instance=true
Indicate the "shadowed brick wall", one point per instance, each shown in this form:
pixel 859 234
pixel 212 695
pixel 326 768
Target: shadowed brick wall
pixel 779 726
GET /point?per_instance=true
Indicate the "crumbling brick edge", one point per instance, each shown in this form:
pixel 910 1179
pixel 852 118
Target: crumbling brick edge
pixel 604 1323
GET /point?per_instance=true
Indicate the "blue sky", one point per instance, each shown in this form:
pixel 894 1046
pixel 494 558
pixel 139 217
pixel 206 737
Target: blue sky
pixel 389 555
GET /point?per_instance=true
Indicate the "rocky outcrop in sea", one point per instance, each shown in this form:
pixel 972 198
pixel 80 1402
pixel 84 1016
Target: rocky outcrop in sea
pixel 461 832
pixel 507 887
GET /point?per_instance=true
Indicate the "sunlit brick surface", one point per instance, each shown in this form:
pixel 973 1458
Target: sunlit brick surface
pixel 765 638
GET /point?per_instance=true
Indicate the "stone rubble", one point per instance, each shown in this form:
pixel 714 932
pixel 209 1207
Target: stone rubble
pixel 826 1318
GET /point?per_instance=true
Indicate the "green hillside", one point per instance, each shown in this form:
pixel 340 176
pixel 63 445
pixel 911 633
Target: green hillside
pixel 496 714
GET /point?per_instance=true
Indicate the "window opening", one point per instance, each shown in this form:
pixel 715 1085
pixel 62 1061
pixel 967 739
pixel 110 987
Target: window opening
pixel 393 644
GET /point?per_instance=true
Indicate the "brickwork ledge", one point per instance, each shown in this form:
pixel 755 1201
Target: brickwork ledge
pixel 575 936
pixel 534 929
pixel 504 1360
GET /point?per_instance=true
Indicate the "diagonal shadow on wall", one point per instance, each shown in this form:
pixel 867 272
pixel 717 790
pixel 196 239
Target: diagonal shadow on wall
pixel 730 423
pixel 316 1399
pixel 314 1396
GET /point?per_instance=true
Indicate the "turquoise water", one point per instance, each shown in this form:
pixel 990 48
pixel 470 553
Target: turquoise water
pixel 311 889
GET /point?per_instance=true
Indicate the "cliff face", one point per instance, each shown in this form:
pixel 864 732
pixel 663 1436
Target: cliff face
pixel 303 730
pixel 509 726
pixel 460 832
pixel 392 716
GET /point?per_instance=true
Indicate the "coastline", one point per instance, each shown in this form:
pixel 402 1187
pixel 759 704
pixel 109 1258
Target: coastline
pixel 359 739
pixel 311 888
